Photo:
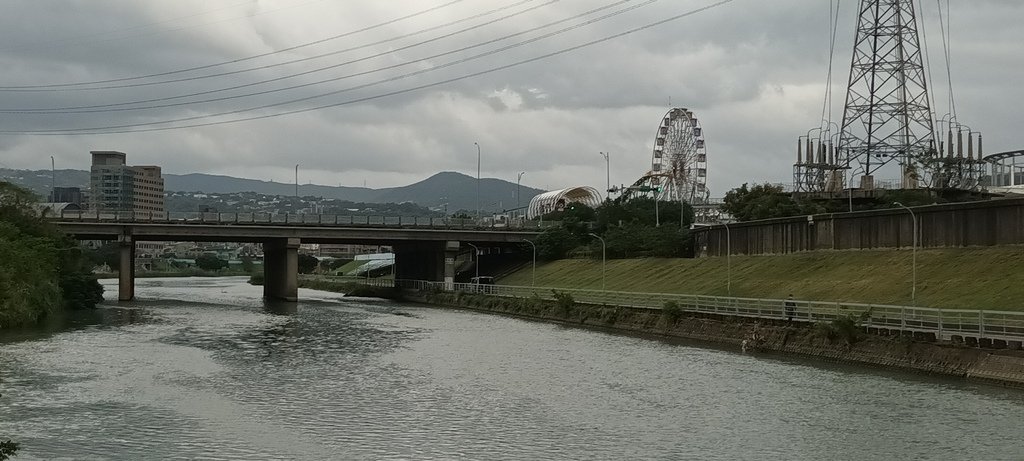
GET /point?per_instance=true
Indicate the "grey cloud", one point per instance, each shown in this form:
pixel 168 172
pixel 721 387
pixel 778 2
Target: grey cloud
pixel 753 71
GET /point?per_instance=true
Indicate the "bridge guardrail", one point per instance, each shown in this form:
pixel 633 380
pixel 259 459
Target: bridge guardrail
pixel 163 217
pixel 944 323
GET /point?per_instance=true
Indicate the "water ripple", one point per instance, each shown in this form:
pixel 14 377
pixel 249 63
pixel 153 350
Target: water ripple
pixel 204 369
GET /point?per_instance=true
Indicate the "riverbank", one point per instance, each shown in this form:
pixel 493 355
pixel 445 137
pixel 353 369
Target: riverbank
pixel 990 278
pixel 838 342
pixel 841 341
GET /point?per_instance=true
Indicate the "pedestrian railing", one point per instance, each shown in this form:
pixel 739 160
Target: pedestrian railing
pixel 163 217
pixel 943 323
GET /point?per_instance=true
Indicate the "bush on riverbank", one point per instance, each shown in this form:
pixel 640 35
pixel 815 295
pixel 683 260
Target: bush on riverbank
pixel 8 449
pixel 41 269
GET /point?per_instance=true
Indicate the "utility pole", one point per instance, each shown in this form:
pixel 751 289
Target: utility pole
pixel 53 180
pixel 477 182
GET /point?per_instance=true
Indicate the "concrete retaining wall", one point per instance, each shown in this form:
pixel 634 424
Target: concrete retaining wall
pixel 987 223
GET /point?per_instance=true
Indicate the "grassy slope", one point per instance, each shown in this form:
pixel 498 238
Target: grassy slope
pixel 963 278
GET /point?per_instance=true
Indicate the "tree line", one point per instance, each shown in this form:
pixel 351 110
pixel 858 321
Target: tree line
pixel 630 229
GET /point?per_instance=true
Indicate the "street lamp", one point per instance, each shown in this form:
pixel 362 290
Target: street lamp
pixel 296 179
pixel 603 259
pixel 476 251
pixel 913 255
pixel 518 179
pixel 728 259
pixel 608 174
pixel 533 273
pixel 477 182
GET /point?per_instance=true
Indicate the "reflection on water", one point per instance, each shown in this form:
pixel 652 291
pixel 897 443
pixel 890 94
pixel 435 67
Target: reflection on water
pixel 204 368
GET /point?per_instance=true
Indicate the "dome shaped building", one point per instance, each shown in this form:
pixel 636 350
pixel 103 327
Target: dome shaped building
pixel 557 200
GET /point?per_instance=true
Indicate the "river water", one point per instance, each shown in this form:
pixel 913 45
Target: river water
pixel 203 369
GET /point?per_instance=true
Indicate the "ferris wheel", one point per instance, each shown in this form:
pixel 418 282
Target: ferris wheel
pixel 679 169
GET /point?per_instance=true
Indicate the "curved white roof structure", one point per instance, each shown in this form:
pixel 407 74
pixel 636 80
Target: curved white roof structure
pixel 556 200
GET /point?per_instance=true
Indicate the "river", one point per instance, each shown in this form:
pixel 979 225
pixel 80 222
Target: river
pixel 203 369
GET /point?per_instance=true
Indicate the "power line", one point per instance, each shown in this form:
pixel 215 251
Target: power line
pixel 358 74
pixel 946 45
pixel 826 107
pixel 116 129
pixel 103 107
pixel 414 73
pixel 66 86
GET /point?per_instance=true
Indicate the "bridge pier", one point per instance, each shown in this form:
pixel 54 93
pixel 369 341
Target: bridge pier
pixel 433 261
pixel 281 269
pixel 126 268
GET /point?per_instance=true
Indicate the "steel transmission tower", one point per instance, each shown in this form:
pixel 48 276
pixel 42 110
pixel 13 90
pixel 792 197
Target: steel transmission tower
pixel 887 115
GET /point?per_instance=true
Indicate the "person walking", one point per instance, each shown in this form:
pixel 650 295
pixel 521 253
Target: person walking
pixel 790 308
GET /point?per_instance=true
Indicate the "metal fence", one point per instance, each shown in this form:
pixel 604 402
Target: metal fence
pixel 164 217
pixel 944 323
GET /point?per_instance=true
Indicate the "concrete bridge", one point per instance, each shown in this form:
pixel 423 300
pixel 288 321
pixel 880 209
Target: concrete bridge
pixel 425 248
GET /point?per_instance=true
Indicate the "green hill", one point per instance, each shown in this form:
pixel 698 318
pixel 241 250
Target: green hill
pixel 961 278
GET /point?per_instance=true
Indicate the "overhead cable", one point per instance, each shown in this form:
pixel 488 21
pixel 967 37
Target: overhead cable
pixel 133 128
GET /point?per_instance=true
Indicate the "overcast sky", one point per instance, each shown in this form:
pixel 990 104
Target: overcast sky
pixel 753 72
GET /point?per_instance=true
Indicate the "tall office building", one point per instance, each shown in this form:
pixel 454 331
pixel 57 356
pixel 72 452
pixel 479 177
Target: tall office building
pixel 119 187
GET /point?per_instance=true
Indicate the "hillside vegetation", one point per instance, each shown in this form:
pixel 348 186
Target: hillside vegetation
pixel 961 278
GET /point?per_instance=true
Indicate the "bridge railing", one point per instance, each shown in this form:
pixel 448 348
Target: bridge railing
pixel 943 323
pixel 292 219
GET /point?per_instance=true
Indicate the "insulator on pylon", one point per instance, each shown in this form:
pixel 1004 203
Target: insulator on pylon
pixel 960 143
pixel 810 151
pixel 970 145
pixel 949 145
pixel 979 146
pixel 799 152
pixel 821 152
pixel 831 154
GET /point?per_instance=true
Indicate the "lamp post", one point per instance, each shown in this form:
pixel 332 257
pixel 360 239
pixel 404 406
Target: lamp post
pixel 913 255
pixel 603 259
pixel 518 179
pixel 728 259
pixel 533 272
pixel 476 252
pixel 296 179
pixel 477 182
pixel 608 174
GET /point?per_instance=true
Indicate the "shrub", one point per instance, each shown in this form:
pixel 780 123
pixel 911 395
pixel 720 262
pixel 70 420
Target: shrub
pixel 256 278
pixel 564 301
pixel 846 328
pixel 8 449
pixel 671 311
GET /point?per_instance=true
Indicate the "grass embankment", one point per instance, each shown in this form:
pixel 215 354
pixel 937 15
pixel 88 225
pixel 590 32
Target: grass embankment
pixel 954 278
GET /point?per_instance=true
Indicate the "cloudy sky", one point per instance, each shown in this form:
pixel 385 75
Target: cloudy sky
pixel 389 92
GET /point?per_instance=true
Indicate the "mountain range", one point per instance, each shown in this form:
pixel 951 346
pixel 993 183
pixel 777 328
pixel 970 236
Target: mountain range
pixel 448 189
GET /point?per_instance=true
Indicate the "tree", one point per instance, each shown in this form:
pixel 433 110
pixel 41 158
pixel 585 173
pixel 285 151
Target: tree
pixel 247 265
pixel 307 263
pixel 642 211
pixel 41 269
pixel 765 201
pixel 108 254
pixel 555 242
pixel 210 262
